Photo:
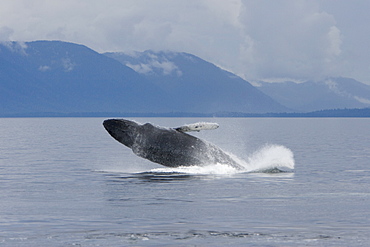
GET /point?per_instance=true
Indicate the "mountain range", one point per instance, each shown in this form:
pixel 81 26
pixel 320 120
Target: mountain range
pixel 55 76
pixel 197 85
pixel 58 77
pixel 330 93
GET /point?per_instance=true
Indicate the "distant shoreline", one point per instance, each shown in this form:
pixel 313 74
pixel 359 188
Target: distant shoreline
pixel 334 113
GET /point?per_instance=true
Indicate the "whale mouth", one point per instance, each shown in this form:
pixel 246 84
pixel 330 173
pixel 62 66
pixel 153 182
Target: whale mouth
pixel 122 130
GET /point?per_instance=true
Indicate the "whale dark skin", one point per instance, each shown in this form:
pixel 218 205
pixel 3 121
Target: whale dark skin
pixel 166 146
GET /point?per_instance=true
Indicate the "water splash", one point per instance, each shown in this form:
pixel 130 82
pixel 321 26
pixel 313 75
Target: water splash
pixel 271 157
pixel 212 169
pixel 268 159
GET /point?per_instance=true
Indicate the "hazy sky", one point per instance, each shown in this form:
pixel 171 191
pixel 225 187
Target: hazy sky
pixel 257 39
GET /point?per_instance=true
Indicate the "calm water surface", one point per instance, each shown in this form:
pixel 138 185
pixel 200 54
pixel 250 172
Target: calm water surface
pixel 66 182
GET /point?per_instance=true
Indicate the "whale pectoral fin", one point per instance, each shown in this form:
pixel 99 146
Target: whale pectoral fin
pixel 197 127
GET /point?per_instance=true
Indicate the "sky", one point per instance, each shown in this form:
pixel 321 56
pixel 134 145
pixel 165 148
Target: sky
pixel 271 40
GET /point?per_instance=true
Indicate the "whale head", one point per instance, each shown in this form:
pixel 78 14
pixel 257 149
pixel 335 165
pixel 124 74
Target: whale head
pixel 122 130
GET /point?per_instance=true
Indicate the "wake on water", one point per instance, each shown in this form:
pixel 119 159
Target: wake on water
pixel 268 159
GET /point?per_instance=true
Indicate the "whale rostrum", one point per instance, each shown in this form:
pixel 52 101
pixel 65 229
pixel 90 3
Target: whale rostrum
pixel 170 147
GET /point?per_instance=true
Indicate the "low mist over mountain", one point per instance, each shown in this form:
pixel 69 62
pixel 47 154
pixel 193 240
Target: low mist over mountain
pixel 197 85
pixel 60 77
pixel 332 93
pixel 54 76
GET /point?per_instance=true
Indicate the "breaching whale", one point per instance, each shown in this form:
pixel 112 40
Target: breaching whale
pixel 170 147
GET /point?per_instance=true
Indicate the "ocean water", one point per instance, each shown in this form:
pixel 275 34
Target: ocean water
pixel 66 182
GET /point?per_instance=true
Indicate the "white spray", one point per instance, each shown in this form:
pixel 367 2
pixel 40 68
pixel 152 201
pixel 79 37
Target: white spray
pixel 267 158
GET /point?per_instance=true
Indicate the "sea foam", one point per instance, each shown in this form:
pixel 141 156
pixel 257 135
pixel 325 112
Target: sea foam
pixel 266 159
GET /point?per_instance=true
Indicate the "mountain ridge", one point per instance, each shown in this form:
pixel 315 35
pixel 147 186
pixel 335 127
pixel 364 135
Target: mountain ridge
pixel 185 75
pixel 64 78
pixel 56 76
pixel 330 93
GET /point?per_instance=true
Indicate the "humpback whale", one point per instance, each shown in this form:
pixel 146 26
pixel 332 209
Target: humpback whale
pixel 170 147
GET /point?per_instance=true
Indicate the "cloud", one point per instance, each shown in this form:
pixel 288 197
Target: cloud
pixel 335 41
pixel 362 100
pixel 287 39
pixel 155 64
pixel 5 33
pixel 44 68
pixel 5 39
pixel 67 64
pixel 140 68
pixel 298 39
